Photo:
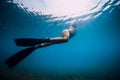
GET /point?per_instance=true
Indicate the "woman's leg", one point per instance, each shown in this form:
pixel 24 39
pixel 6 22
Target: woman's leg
pixel 51 41
pixel 59 39
pixel 43 44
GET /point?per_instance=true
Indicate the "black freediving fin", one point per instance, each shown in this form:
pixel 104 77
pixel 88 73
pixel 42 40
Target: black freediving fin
pixel 19 56
pixel 30 41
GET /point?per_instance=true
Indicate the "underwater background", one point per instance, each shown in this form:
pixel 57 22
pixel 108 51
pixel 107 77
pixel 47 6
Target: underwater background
pixel 92 54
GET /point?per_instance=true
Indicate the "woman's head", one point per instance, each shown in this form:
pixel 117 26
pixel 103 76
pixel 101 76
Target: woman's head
pixel 73 26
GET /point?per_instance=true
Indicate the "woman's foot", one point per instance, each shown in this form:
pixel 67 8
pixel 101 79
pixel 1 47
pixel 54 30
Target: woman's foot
pixel 38 46
pixel 42 45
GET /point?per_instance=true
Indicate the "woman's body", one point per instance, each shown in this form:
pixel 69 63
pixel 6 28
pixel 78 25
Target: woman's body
pixel 66 35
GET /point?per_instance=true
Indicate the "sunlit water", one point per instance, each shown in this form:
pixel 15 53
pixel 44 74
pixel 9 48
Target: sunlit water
pixel 93 53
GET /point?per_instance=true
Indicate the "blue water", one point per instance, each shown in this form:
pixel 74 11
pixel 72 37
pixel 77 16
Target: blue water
pixel 92 54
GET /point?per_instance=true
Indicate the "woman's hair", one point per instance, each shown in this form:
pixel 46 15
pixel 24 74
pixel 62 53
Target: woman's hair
pixel 74 25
